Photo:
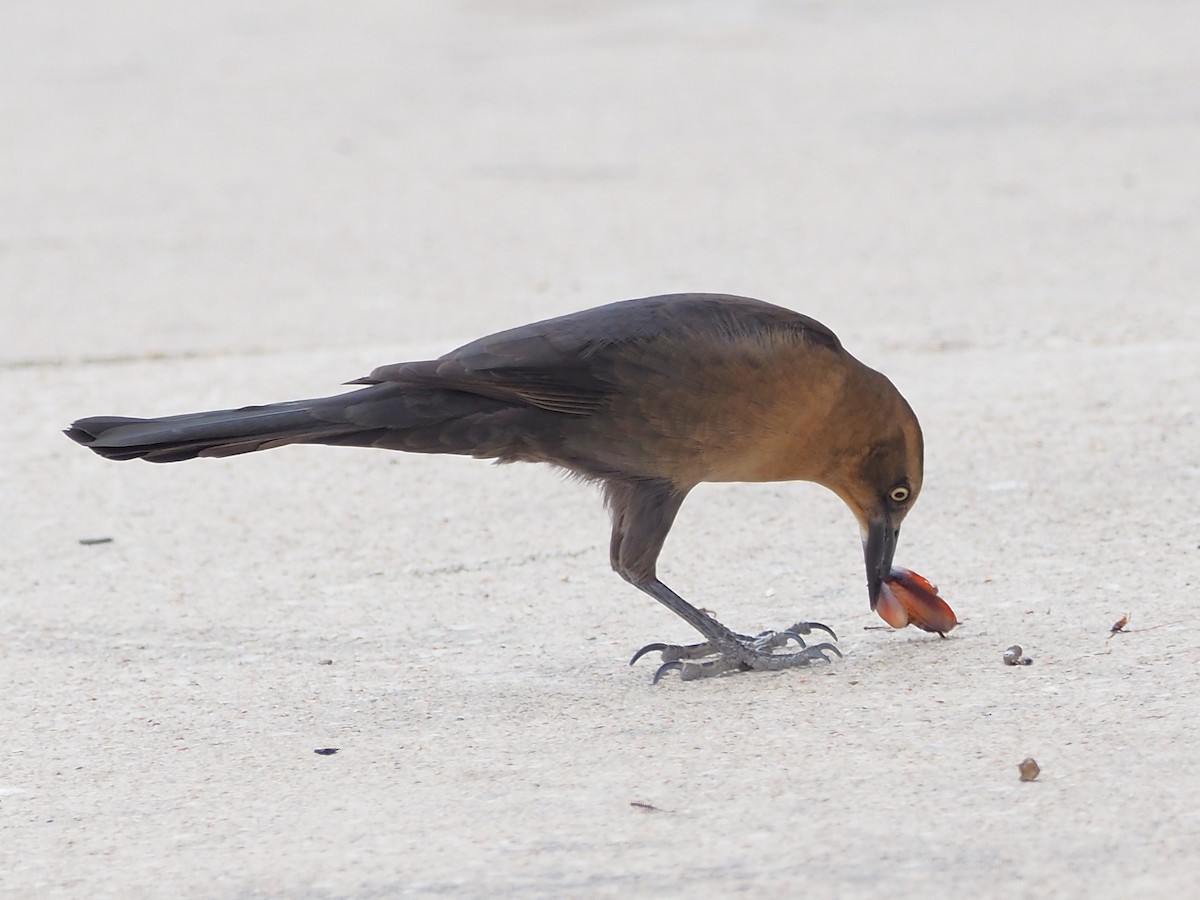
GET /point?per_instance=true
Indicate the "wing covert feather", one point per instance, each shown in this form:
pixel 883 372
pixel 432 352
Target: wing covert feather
pixel 565 364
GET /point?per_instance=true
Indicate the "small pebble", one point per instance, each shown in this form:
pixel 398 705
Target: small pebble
pixel 1029 769
pixel 1013 657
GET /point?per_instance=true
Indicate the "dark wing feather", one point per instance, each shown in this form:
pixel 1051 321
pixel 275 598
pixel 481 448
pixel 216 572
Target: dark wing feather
pixel 565 364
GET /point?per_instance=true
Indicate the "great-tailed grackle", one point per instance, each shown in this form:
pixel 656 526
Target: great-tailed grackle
pixel 649 398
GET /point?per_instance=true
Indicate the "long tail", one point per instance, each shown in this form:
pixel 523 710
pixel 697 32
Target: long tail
pixel 384 415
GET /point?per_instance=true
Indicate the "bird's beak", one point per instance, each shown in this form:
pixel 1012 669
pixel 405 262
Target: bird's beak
pixel 879 546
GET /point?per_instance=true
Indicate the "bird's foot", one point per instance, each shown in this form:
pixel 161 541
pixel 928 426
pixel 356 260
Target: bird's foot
pixel 742 654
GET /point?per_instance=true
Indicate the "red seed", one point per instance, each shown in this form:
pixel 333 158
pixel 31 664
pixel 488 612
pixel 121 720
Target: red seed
pixel 907 598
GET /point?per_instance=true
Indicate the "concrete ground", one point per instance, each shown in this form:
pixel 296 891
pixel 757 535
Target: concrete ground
pixel 213 204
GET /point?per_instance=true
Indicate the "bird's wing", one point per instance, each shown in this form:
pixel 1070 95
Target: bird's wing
pixel 528 371
pixel 565 364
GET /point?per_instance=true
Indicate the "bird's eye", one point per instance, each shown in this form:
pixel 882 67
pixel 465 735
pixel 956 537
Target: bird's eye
pixel 899 493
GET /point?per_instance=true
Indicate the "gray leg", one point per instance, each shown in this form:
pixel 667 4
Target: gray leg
pixel 643 512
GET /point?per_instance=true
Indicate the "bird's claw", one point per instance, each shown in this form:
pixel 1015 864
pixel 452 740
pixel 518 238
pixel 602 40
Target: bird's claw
pixel 745 654
pixel 763 642
pixel 807 628
pixel 665 668
pixel 649 648
pixel 819 650
pixel 675 652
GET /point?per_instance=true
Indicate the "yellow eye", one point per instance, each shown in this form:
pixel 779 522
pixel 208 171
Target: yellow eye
pixel 899 494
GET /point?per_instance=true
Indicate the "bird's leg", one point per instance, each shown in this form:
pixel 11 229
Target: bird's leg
pixel 643 512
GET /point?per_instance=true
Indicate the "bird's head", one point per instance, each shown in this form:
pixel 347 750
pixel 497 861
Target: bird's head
pixel 879 474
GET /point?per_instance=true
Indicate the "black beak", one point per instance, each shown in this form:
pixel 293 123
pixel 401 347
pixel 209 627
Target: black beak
pixel 878 549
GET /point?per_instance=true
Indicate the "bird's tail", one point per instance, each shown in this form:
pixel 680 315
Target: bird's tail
pixel 390 416
pixel 221 432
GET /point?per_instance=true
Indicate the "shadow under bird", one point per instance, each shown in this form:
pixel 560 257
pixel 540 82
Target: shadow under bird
pixel 646 397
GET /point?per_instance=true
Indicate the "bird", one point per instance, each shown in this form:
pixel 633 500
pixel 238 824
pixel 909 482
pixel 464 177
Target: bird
pixel 647 398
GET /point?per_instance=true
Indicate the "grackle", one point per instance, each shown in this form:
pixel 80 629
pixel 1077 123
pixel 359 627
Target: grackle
pixel 648 398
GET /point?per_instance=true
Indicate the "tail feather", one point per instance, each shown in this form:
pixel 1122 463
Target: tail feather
pixel 390 416
pixel 221 432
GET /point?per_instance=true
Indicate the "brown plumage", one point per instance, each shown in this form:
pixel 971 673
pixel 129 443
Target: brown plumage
pixel 649 398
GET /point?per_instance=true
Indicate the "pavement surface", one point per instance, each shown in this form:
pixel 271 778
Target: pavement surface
pixel 215 204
